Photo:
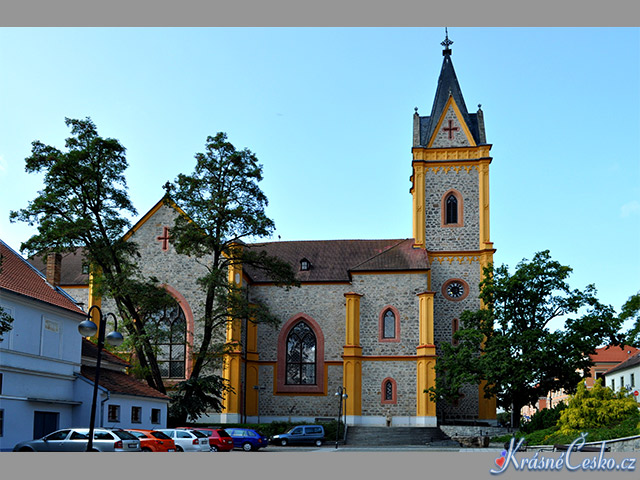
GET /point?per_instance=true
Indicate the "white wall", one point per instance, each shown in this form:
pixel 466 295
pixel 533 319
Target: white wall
pixel 39 358
pixel 628 378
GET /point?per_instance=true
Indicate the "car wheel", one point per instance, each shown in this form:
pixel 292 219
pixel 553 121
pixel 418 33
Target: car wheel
pixel 26 449
pixel 247 447
pixel 283 442
pixel 214 448
pixel 146 449
pixel 318 443
pixel 179 448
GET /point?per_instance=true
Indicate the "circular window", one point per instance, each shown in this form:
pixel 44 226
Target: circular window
pixel 455 289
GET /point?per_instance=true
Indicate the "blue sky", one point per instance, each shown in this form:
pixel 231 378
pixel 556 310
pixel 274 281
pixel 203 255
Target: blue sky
pixel 328 112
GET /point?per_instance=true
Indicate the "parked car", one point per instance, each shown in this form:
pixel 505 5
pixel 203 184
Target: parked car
pixel 153 440
pixel 76 439
pixel 247 439
pixel 187 440
pixel 219 439
pixel 300 435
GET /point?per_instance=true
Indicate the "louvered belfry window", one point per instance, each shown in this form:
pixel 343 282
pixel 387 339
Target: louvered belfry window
pixel 452 209
pixel 301 355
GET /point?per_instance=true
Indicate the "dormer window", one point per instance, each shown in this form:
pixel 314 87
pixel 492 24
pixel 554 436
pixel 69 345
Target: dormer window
pixel 305 265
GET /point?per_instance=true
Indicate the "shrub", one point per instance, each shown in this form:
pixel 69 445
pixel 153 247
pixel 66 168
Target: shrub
pixel 544 419
pixel 598 407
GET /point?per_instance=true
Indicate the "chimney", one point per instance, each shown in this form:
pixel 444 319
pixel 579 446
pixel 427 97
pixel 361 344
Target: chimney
pixel 54 268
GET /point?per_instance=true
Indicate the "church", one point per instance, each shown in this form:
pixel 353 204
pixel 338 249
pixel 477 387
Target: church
pixel 369 316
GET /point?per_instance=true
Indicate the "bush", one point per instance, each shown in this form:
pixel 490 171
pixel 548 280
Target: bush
pixel 595 408
pixel 544 419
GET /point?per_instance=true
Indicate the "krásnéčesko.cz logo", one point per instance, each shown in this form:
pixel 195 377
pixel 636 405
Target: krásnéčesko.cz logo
pixel 541 463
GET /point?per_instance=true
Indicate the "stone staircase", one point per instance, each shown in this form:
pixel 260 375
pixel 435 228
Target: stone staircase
pixel 390 436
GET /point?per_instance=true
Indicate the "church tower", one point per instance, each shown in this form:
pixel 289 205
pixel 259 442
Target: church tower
pixel 450 188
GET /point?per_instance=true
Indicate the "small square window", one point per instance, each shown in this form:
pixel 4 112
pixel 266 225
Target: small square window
pixel 155 415
pixel 136 414
pixel 113 413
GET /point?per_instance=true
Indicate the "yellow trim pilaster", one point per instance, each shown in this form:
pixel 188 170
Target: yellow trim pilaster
pixel 232 365
pixel 253 374
pixel 483 182
pixel 352 356
pixel 95 299
pixel 426 356
pixel 419 199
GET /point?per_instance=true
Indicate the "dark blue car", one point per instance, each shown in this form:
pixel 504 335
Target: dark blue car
pixel 247 439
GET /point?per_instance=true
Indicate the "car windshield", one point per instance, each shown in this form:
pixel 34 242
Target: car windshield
pixel 124 435
pixel 138 434
pixel 223 433
pixel 161 435
pixel 199 434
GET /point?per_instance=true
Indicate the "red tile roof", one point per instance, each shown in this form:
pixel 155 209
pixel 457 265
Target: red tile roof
pixel 20 277
pixel 335 260
pixel 119 382
pixel 90 350
pixel 613 355
pixel 70 268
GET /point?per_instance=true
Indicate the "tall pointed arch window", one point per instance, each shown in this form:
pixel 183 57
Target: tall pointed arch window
pixel 170 340
pixel 389 325
pixel 301 355
pixel 300 366
pixel 452 211
pixel 389 392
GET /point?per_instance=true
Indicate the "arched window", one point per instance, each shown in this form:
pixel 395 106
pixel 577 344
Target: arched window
pixel 389 392
pixel 170 341
pixel 452 209
pixel 301 355
pixel 389 324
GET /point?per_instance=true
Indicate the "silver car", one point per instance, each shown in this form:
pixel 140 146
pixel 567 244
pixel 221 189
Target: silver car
pixel 76 439
pixel 188 440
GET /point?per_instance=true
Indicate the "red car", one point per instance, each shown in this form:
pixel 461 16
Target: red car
pixel 153 441
pixel 219 439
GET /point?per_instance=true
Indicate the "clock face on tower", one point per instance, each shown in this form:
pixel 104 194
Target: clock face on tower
pixel 455 289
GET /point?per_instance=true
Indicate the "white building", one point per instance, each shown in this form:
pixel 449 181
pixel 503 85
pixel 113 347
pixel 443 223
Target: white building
pixel 625 375
pixel 46 375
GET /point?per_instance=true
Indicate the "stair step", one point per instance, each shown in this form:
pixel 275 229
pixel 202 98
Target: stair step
pixel 366 435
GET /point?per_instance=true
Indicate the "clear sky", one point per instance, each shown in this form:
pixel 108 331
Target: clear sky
pixel 328 112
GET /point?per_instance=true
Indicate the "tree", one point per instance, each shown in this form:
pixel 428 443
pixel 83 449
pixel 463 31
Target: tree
pixel 509 343
pixel 224 207
pixel 84 204
pixel 631 311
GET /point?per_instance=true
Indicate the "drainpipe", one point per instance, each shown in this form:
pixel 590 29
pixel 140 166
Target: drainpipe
pixel 102 409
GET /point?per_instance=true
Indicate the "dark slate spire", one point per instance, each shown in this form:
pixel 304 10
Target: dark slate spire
pixel 423 127
pixel 447 85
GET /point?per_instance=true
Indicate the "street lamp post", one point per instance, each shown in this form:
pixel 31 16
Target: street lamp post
pixel 88 328
pixel 342 395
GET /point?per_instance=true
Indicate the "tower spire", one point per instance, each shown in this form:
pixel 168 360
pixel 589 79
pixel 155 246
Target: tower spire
pixel 446 43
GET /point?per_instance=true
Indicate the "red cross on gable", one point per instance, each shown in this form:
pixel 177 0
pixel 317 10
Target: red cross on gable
pixel 164 238
pixel 450 129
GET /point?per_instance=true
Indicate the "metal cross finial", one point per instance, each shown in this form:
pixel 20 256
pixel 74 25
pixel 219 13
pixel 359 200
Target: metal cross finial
pixel 446 43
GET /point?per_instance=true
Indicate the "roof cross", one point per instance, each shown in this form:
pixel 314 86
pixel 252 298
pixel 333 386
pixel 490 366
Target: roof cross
pixel 164 238
pixel 446 43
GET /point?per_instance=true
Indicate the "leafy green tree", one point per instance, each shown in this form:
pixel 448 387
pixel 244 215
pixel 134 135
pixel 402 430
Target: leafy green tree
pixel 596 407
pixel 224 207
pixel 510 343
pixel 84 204
pixel 631 311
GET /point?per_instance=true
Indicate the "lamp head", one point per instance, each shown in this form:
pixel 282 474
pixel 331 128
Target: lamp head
pixel 87 328
pixel 114 339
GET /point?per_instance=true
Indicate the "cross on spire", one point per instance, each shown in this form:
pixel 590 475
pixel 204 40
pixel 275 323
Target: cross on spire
pixel 446 43
pixel 450 129
pixel 164 238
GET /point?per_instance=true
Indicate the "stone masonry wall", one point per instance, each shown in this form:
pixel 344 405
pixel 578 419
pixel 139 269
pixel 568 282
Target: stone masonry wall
pixel 440 180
